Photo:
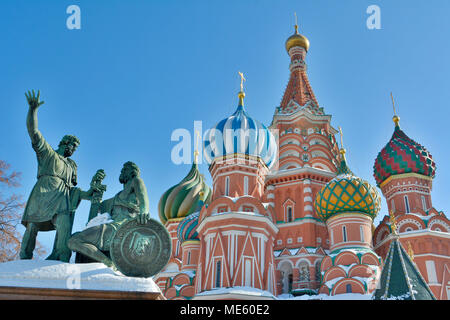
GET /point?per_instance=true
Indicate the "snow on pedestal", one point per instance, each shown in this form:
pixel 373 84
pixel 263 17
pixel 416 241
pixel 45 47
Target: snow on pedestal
pixel 238 292
pixel 60 275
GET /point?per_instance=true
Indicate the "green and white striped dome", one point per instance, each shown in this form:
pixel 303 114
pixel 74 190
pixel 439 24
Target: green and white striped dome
pixel 186 197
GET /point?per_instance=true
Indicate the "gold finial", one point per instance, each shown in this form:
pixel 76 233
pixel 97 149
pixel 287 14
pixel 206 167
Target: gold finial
pixel 393 223
pixel 196 153
pixel 241 93
pixel 342 150
pixel 395 118
pixel 410 251
pixel 296 22
pixel 242 80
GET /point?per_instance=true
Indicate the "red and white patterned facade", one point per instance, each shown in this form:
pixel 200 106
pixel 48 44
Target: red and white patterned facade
pixel 260 229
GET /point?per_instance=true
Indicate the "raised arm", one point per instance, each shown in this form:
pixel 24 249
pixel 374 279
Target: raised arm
pixel 34 104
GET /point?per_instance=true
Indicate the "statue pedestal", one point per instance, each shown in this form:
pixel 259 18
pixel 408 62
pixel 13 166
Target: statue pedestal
pixel 41 279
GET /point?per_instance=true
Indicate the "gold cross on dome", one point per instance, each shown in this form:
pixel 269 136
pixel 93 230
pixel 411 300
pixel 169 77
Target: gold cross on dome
pixel 296 23
pixel 393 104
pixel 242 80
pixel 342 136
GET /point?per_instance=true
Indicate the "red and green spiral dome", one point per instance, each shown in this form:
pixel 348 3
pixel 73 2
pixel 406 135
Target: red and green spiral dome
pixel 402 155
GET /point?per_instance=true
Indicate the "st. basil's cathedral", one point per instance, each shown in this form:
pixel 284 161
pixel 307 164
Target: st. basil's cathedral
pixel 286 214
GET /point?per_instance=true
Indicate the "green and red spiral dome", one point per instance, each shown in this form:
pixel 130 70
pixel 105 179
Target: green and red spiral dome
pixel 402 155
pixel 186 197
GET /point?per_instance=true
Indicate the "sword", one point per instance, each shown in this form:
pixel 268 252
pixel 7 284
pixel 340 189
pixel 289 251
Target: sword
pixel 97 195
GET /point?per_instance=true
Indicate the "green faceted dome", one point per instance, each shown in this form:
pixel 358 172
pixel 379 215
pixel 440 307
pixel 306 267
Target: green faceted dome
pixel 347 193
pixel 402 155
pixel 186 197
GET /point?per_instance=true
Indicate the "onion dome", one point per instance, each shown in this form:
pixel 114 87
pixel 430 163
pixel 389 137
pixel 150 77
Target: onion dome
pixel 402 155
pixel 186 197
pixel 187 229
pixel 347 193
pixel 240 134
pixel 297 40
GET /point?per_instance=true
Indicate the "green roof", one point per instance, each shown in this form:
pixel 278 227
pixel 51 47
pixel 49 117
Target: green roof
pixel 400 278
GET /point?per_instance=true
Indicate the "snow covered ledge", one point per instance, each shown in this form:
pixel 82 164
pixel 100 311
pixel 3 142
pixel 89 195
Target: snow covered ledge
pixel 235 293
pixel 42 279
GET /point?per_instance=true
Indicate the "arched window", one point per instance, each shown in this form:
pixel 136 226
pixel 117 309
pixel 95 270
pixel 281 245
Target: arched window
pixel 424 203
pixel 227 186
pixel 317 270
pixel 188 260
pixel 177 250
pixel 344 233
pixel 245 185
pixel 348 288
pixel 406 204
pixel 304 272
pixel 218 273
pixel 289 217
pixel 361 233
pixel 248 273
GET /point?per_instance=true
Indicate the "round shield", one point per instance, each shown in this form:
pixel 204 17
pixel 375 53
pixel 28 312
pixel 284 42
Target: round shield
pixel 141 250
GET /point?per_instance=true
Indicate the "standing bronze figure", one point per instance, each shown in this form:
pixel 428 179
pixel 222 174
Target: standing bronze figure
pixel 54 198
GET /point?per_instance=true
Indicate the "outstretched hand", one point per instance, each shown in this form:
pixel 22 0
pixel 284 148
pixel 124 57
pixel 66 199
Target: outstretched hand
pixel 33 100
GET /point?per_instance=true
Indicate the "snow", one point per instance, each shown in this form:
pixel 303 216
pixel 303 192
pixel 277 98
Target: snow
pixel 400 297
pixel 61 275
pixel 101 218
pixel 190 273
pixel 367 281
pixel 346 268
pixel 344 296
pixel 332 282
pixel 179 286
pixel 354 250
pixel 311 250
pixel 422 216
pixel 249 291
pixel 239 212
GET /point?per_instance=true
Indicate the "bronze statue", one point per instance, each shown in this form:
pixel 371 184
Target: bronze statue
pixel 54 198
pixel 129 204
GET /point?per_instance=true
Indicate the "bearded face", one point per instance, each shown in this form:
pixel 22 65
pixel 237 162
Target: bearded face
pixel 128 172
pixel 68 145
pixel 125 174
pixel 70 149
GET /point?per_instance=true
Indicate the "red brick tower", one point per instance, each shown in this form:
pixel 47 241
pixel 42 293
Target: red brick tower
pixel 404 171
pixel 308 158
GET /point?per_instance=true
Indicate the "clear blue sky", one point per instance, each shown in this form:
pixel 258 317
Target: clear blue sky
pixel 138 70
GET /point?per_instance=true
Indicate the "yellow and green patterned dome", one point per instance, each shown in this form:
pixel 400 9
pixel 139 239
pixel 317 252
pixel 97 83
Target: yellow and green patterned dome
pixel 347 193
pixel 186 197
